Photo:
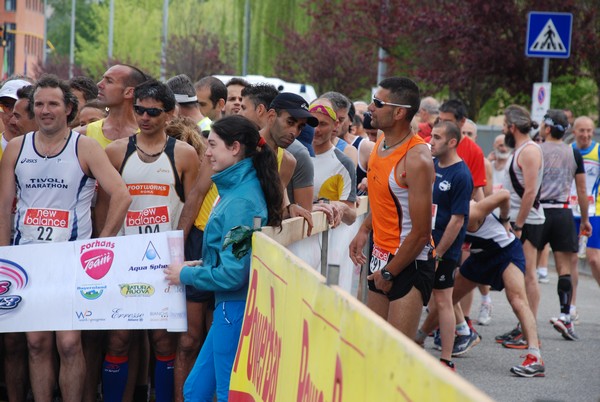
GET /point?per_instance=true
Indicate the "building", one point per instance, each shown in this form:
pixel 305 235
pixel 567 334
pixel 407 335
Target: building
pixel 23 36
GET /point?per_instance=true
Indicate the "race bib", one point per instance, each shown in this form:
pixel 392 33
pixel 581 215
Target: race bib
pixel 46 225
pixel 574 205
pixel 148 220
pixel 434 209
pixel 379 259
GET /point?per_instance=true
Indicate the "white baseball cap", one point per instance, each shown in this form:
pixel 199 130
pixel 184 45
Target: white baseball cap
pixel 10 88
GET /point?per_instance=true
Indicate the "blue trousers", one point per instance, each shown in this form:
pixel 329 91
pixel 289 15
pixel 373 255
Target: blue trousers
pixel 212 370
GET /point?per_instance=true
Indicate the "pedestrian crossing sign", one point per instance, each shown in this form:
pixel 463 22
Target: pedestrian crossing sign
pixel 549 35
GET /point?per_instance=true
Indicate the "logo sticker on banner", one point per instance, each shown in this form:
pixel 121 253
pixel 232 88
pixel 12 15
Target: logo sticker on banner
pixel 12 278
pixel 97 258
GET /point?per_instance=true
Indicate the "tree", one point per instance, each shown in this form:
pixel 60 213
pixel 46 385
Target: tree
pixel 137 30
pixel 469 48
pixel 478 48
pixel 58 65
pixel 198 55
pixel 327 55
pixel 59 23
pixel 587 26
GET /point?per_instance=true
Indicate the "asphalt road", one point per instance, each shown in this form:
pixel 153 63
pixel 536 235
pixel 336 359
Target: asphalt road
pixel 572 368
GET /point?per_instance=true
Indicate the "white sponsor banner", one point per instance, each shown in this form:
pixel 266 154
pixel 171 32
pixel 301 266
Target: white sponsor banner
pixel 108 283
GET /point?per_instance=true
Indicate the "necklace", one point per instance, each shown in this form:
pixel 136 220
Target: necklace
pixel 49 153
pixel 386 146
pixel 151 155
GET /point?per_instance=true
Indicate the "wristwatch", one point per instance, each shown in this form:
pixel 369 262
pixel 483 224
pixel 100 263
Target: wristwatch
pixel 504 220
pixel 517 228
pixel 386 275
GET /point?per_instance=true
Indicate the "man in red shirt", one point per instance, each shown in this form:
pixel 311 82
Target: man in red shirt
pixel 455 111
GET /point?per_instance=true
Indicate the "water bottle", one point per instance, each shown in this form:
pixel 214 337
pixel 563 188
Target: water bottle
pixel 582 246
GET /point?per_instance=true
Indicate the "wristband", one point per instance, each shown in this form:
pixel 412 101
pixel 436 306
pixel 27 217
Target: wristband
pixel 439 259
pixel 504 220
pixel 517 228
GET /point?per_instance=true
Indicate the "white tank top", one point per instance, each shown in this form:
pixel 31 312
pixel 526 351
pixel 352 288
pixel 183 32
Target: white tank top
pixel 536 214
pixel 54 195
pixel 155 189
pixel 401 200
pixel 490 236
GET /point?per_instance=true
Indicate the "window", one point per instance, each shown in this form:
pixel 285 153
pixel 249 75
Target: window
pixel 10 47
pixel 10 5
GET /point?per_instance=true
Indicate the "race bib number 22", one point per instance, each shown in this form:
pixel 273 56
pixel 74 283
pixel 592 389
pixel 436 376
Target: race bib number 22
pixel 46 225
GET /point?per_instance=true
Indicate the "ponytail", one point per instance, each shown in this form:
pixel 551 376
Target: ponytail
pixel 238 128
pixel 265 163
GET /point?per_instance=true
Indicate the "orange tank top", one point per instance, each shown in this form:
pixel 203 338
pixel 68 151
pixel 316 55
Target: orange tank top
pixel 386 215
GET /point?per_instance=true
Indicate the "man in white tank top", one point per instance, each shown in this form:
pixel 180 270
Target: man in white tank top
pixel 56 171
pixel 523 179
pixel 159 171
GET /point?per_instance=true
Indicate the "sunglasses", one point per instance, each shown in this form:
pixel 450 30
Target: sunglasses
pixel 6 108
pixel 152 111
pixel 379 104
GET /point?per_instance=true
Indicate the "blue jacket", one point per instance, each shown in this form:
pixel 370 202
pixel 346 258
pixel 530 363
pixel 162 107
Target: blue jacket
pixel 241 200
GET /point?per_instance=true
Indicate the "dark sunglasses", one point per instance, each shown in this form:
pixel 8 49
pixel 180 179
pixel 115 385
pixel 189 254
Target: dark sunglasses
pixel 379 104
pixel 152 111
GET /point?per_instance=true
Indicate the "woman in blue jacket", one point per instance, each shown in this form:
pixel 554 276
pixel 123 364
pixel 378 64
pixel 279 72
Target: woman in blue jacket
pixel 245 174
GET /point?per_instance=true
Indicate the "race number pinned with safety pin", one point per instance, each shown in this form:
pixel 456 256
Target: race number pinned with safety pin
pixel 379 259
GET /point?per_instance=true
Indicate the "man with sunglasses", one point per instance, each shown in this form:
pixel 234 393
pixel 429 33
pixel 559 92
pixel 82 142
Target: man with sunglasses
pixel 8 98
pixel 401 175
pixel 164 169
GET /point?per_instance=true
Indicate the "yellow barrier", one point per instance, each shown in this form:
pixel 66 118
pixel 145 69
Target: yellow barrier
pixel 305 341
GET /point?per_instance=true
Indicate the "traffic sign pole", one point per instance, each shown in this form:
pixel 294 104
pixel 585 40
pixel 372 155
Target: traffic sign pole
pixel 546 70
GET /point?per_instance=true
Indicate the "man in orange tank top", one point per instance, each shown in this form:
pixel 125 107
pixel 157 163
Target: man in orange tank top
pixel 400 176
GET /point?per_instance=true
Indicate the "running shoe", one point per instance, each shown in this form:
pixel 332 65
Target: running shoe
pixel 543 278
pixel 531 367
pixel 464 343
pixel 566 329
pixel 448 364
pixel 516 343
pixel 485 314
pixel 513 333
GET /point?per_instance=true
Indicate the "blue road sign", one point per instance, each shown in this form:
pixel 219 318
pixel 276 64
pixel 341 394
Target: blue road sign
pixel 549 35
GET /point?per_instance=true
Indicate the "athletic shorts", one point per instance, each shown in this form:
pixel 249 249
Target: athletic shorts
pixel 444 274
pixel 418 274
pixel 533 233
pixel 594 239
pixel 193 252
pixel 487 267
pixel 559 230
